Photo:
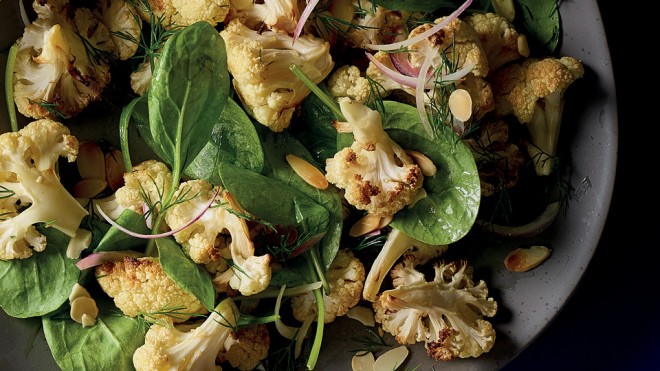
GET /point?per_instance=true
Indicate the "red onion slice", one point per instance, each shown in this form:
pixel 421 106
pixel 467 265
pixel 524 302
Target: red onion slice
pixel 98 258
pixel 303 18
pixel 402 64
pixel 419 90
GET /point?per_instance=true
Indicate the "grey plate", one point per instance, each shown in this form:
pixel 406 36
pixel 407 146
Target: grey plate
pixel 527 301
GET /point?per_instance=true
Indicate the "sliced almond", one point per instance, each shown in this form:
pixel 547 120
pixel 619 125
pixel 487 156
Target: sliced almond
pixel 87 320
pixel 90 160
pixel 505 8
pixel 460 104
pixel 524 259
pixel 363 361
pixel 77 291
pixel 385 221
pixel 392 359
pixel 363 314
pixel 83 305
pixel 366 224
pixel 78 243
pixel 425 164
pixel 114 169
pixel 88 188
pixel 308 172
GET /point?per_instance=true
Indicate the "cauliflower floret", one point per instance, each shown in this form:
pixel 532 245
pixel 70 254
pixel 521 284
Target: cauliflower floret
pixel 167 348
pixel 276 15
pixel 141 286
pixel 446 313
pixel 259 63
pixel 120 18
pixel 481 93
pixel 396 245
pixel 534 91
pixel 458 41
pixel 375 25
pixel 182 13
pixel 30 188
pixel 500 40
pixel 246 348
pixel 347 81
pixel 144 186
pixel 141 78
pixel 375 172
pixel 218 237
pixel 53 64
pixel 346 279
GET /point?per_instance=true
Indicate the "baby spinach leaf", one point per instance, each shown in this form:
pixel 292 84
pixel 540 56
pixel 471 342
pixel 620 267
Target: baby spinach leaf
pixel 315 128
pixel 39 284
pixel 117 240
pixel 539 21
pixel 450 208
pixel 233 139
pixel 273 200
pixel 108 345
pixel 276 147
pixel 188 92
pixel 190 276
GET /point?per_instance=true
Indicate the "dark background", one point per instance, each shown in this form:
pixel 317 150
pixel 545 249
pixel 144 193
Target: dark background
pixel 612 320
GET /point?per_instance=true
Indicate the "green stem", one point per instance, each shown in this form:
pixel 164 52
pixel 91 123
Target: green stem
pixel 328 101
pixel 320 324
pixel 9 88
pixel 318 268
pixel 124 121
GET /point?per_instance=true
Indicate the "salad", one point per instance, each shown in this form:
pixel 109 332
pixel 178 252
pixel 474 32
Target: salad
pixel 269 167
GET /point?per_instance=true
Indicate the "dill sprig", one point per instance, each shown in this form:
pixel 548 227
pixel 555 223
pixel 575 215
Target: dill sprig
pixel 162 316
pixel 371 241
pixel 372 342
pixel 282 358
pixel 51 108
pixel 439 114
pixel 98 57
pixel 375 99
pixel 160 206
pixel 6 192
pixel 6 215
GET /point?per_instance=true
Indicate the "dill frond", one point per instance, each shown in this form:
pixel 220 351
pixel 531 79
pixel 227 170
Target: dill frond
pixel 51 108
pixel 372 342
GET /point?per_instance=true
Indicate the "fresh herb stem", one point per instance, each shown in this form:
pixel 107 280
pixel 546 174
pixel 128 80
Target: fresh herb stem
pixel 329 102
pixel 124 121
pixel 9 89
pixel 315 260
pixel 320 324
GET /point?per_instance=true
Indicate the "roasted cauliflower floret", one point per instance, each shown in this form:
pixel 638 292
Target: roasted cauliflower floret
pixel 182 13
pixel 120 18
pixel 30 188
pixel 374 24
pixel 481 93
pixel 500 40
pixel 275 15
pixel 167 348
pixel 375 172
pixel 458 41
pixel 144 185
pixel 259 64
pixel 346 279
pixel 246 348
pixel 447 313
pixel 61 61
pixel 533 91
pixel 220 236
pixel 141 286
pixel 347 81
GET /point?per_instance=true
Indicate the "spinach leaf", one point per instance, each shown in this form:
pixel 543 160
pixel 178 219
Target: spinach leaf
pixel 450 208
pixel 116 240
pixel 188 92
pixel 190 276
pixel 39 284
pixel 541 23
pixel 276 147
pixel 108 345
pixel 233 139
pixel 272 200
pixel 315 128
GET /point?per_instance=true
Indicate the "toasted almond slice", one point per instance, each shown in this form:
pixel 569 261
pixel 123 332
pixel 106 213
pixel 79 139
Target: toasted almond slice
pixel 505 8
pixel 524 259
pixel 460 104
pixel 425 164
pixel 363 314
pixel 87 320
pixel 114 169
pixel 77 291
pixel 88 188
pixel 83 305
pixel 308 172
pixel 385 221
pixel 366 224
pixel 78 243
pixel 90 160
pixel 392 359
pixel 363 361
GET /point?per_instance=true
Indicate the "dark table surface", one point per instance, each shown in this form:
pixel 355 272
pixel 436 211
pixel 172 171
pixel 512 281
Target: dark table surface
pixel 612 322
